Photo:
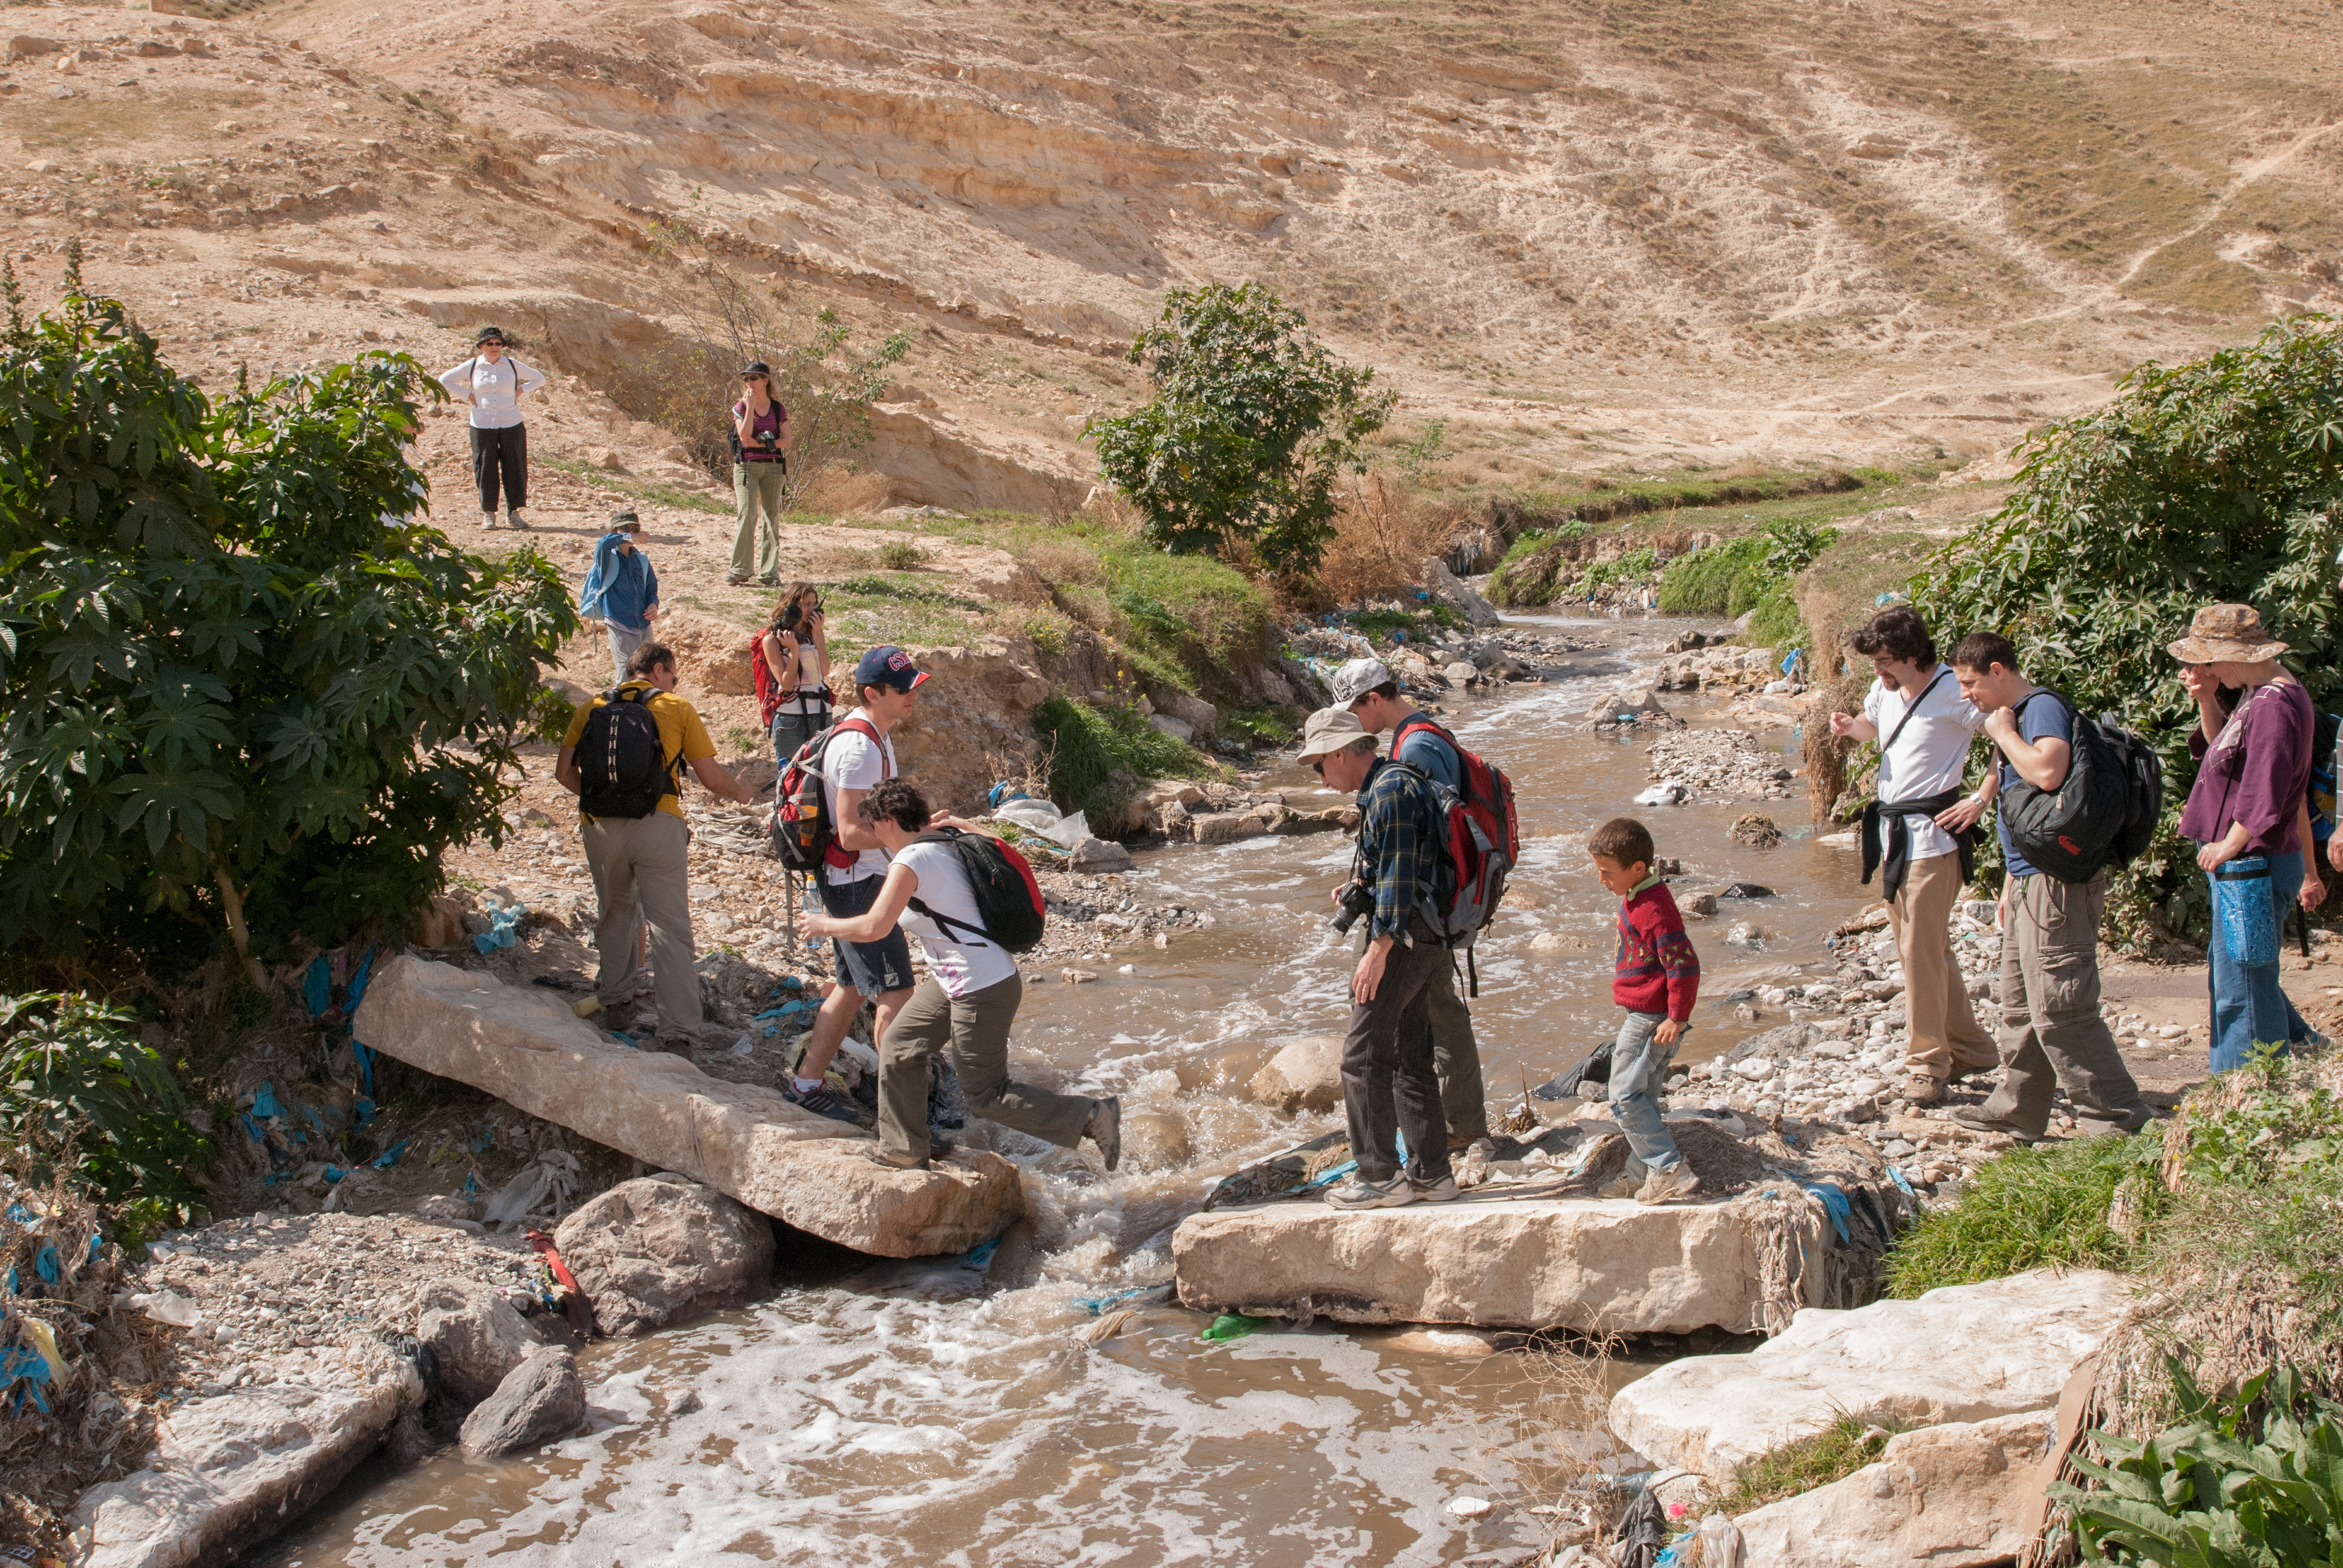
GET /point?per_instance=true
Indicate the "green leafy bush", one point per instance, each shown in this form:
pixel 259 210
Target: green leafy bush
pixel 2219 481
pixel 82 1099
pixel 238 681
pixel 1251 422
pixel 2251 1480
pixel 2029 1209
pixel 1097 755
pixel 1723 579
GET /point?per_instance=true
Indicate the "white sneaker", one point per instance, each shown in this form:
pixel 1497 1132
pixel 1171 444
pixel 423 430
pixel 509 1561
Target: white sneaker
pixel 1352 1192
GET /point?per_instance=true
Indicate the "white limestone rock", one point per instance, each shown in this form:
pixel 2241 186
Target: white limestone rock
pixel 1306 1074
pixel 525 1046
pixel 650 1250
pixel 476 1337
pixel 1964 1353
pixel 1949 1496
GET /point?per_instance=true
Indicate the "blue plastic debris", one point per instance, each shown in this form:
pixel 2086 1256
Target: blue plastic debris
pixel 471 1186
pixel 20 1215
pixel 1898 1176
pixel 504 929
pixel 264 1102
pixel 254 1128
pixel 981 1257
pixel 335 1173
pixel 363 1055
pixel 390 1157
pixel 355 990
pixel 96 1243
pixel 1094 1305
pixel 1841 1211
pixel 45 1264
pixel 1004 790
pixel 25 1362
pixel 12 1280
pixel 317 986
pixel 362 1111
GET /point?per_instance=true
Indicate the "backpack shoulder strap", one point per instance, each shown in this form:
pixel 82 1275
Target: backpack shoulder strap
pixel 864 727
pixel 1934 681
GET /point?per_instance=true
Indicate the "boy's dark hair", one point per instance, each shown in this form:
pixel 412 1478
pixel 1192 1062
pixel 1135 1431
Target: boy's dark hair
pixel 1898 632
pixel 1621 840
pixel 647 658
pixel 900 800
pixel 1981 650
pixel 1389 688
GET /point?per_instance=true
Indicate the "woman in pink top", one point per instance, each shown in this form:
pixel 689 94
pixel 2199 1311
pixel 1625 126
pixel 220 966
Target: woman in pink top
pixel 760 441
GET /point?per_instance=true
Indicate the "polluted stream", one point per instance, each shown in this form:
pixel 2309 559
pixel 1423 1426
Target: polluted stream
pixel 949 1411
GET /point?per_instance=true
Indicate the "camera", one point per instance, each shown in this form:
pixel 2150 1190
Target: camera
pixel 1355 900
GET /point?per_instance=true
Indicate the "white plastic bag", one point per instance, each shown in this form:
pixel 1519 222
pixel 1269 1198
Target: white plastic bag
pixel 1037 815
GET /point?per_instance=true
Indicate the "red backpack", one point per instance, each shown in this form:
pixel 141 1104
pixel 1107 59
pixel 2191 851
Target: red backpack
pixel 804 838
pixel 1481 842
pixel 768 690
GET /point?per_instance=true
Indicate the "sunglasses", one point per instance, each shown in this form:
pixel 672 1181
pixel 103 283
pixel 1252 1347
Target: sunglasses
pixel 1318 766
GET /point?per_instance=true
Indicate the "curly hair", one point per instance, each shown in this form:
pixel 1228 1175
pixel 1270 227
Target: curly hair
pixel 898 800
pixel 1899 633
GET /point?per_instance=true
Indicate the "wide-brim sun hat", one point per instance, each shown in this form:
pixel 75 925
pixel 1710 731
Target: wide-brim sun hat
pixel 1328 732
pixel 2227 634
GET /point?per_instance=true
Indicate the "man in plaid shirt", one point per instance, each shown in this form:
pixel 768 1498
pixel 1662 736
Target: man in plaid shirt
pixel 1390 1087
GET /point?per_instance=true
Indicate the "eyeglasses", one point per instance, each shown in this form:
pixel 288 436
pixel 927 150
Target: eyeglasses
pixel 493 343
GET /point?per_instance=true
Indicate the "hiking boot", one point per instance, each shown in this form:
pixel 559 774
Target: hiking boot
pixel 1669 1186
pixel 877 1156
pixel 678 1045
pixel 1443 1190
pixel 769 582
pixel 1922 1089
pixel 1105 1128
pixel 735 580
pixel 1975 1120
pixel 1355 1192
pixel 822 1099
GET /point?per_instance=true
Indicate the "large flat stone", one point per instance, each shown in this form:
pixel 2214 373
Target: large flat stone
pixel 530 1052
pixel 1950 1496
pixel 230 1471
pixel 1589 1265
pixel 1964 1353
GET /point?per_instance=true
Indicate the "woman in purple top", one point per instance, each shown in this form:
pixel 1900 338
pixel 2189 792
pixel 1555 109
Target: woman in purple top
pixel 760 440
pixel 2254 766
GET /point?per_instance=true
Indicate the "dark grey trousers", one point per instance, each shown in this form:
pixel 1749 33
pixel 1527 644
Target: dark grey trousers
pixel 1456 1054
pixel 1388 1083
pixel 2051 1030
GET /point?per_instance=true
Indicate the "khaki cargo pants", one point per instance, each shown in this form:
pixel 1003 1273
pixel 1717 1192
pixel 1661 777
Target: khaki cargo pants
pixel 2051 1030
pixel 641 874
pixel 1943 1028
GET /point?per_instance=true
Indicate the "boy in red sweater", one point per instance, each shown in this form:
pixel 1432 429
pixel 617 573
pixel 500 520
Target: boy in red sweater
pixel 1656 978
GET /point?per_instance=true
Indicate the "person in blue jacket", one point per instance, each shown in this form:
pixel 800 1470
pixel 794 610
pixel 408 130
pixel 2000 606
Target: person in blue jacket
pixel 621 590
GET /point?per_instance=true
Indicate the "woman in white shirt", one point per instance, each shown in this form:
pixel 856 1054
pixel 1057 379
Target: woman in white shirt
pixel 968 1000
pixel 494 385
pixel 1921 829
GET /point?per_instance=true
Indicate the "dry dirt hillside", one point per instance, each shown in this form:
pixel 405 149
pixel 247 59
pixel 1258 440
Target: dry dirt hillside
pixel 1591 234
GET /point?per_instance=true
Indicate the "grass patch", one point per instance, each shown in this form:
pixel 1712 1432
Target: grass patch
pixel 1098 755
pixel 656 495
pixel 902 555
pixel 1259 728
pixel 1833 1453
pixel 2044 1207
pixel 1386 625
pixel 871 608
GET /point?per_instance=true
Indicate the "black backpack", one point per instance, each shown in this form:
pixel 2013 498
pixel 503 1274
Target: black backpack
pixel 1009 909
pixel 2102 815
pixel 622 764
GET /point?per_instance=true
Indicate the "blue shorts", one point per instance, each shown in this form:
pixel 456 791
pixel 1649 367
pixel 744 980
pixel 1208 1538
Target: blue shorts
pixel 872 969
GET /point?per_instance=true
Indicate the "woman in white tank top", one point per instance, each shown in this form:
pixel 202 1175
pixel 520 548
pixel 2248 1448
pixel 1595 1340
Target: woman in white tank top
pixel 797 650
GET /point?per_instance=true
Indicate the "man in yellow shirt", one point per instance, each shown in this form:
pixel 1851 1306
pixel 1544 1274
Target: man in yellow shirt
pixel 630 818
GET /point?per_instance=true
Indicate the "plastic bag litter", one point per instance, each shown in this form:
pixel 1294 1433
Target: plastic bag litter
pixel 168 1307
pixel 1721 1545
pixel 504 929
pixel 547 1179
pixel 1037 815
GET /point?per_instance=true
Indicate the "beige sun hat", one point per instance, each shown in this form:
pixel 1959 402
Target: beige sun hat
pixel 1328 730
pixel 2230 633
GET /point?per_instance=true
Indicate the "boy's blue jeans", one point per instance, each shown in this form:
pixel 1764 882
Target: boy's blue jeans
pixel 1639 1067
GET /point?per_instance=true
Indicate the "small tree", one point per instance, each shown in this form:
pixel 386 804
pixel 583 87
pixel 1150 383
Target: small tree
pixel 2217 481
pixel 240 682
pixel 1252 424
pixel 825 382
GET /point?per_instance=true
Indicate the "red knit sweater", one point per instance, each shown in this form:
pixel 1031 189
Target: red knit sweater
pixel 1656 971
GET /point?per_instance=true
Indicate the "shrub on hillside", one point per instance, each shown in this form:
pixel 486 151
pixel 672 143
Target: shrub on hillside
pixel 1252 424
pixel 1098 755
pixel 2219 481
pixel 240 684
pixel 83 1102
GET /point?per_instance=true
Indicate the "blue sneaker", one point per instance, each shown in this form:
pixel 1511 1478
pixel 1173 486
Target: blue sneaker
pixel 821 1101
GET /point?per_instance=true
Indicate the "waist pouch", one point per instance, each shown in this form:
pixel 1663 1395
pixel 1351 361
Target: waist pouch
pixel 2247 910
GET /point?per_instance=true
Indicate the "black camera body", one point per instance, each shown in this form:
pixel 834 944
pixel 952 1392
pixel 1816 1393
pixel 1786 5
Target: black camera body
pixel 1355 899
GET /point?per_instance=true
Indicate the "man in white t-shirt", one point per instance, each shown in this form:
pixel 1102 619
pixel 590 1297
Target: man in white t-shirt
pixel 1920 832
pixel 857 759
pixel 967 1002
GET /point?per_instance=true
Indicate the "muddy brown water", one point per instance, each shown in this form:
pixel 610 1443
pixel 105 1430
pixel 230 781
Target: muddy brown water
pixel 940 1411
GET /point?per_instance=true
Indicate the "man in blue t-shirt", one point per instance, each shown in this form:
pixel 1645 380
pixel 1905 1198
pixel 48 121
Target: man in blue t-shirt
pixel 1367 687
pixel 2051 1030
